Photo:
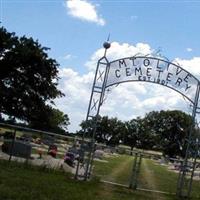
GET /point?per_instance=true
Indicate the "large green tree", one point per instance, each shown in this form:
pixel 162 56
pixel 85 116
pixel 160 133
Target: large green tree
pixel 28 81
pixel 108 130
pixel 164 130
pixel 28 77
pixel 50 119
pixel 131 137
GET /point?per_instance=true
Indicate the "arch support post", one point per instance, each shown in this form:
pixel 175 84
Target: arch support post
pixel 135 171
pixel 96 100
pixel 184 184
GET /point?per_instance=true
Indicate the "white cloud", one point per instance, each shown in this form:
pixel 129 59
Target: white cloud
pixel 189 49
pixel 119 51
pixel 126 100
pixel 77 89
pixel 192 66
pixel 67 57
pixel 84 10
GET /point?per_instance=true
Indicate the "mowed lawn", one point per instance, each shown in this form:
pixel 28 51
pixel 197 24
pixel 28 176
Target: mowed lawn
pixel 156 177
pixel 152 176
pixel 25 182
pixel 117 169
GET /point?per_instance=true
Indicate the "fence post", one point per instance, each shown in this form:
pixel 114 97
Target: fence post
pixel 135 171
pixel 12 145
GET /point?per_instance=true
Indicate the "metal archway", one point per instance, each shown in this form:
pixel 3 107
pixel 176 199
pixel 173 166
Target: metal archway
pixel 146 69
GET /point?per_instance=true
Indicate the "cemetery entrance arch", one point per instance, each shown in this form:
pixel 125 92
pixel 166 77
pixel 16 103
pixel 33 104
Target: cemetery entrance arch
pixel 151 69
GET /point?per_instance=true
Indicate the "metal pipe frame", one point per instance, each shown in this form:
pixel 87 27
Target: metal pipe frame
pixel 91 153
pixel 182 184
pixel 98 88
pixel 101 91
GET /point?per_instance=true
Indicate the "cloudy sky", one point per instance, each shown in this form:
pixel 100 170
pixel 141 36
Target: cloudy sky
pixel 76 29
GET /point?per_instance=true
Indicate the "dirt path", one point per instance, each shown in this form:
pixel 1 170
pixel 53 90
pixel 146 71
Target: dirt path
pixel 149 178
pixel 124 168
pixel 119 169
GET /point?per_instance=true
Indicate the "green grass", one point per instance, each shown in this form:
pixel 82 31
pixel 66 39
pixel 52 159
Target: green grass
pixel 155 176
pixel 117 169
pixel 24 182
pixel 18 133
pixel 152 175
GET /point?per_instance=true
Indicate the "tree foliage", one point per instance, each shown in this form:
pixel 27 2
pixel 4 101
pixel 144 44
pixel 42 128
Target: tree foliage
pixel 164 130
pixel 28 83
pixel 28 77
pixel 168 131
pixel 108 130
pixel 52 120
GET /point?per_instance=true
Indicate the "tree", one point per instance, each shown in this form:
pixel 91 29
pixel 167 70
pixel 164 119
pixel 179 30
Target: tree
pixel 51 119
pixel 108 130
pixel 28 77
pixel 174 137
pixel 86 128
pixel 167 131
pixel 131 137
pixel 114 132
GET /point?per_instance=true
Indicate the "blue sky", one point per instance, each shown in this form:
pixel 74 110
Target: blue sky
pixel 75 31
